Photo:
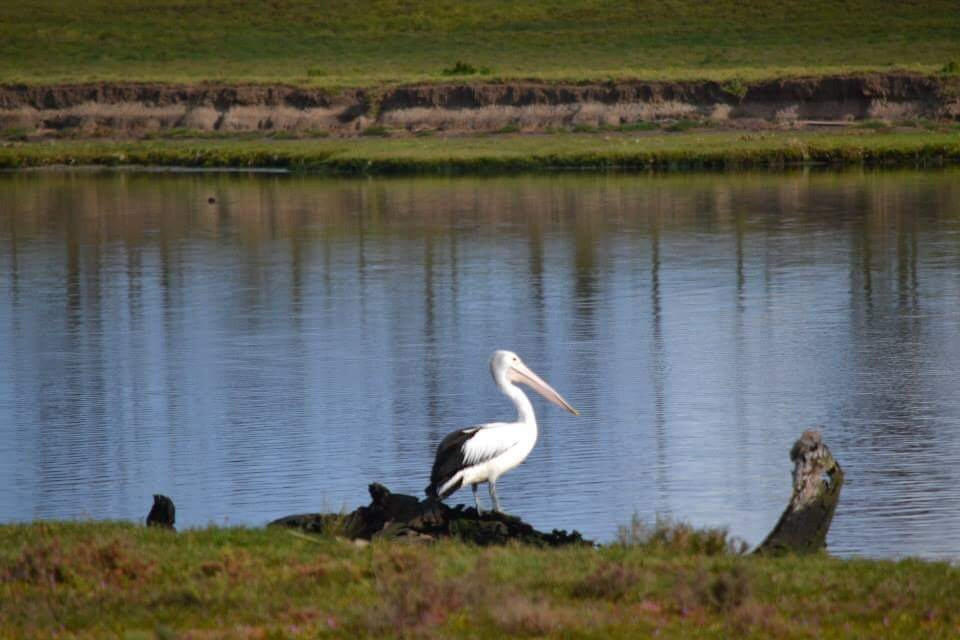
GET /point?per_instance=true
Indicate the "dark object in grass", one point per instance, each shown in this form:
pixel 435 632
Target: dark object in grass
pixel 817 480
pixel 211 200
pixel 462 68
pixel 398 516
pixel 162 513
pixel 376 130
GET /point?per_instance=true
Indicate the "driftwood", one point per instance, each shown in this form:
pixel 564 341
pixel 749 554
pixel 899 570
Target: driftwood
pixel 162 513
pixel 817 480
pixel 394 515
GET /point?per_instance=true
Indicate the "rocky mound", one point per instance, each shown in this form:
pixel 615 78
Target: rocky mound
pixel 394 515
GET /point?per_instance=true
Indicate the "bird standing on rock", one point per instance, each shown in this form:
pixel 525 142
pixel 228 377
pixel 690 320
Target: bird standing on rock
pixel 485 452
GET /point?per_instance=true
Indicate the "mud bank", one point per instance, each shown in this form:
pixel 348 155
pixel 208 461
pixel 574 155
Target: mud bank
pixel 129 109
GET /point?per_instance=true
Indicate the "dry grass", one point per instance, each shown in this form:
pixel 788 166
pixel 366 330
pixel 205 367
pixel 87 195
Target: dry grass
pixel 609 581
pixel 681 537
pixel 412 598
pixel 107 563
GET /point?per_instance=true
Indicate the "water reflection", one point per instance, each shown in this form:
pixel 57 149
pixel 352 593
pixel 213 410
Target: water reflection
pixel 276 350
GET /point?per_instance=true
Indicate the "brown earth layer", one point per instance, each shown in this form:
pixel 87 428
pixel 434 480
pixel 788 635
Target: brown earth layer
pixel 136 109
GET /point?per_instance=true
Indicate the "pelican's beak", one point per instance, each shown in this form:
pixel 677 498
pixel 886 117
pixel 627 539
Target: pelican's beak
pixel 520 372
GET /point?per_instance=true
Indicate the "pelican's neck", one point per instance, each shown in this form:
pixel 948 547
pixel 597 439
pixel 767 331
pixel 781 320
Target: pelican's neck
pixel 520 401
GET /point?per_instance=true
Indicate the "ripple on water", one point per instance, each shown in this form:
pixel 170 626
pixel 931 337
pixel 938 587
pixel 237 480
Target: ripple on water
pixel 278 352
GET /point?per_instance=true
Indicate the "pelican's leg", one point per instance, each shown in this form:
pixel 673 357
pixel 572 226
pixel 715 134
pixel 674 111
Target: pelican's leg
pixel 493 497
pixel 476 499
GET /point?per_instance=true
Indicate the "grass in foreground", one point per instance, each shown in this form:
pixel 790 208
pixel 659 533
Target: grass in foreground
pixel 691 149
pixel 120 580
pixel 368 42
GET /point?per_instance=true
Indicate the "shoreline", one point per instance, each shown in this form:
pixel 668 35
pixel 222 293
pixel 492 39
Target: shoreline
pixel 614 151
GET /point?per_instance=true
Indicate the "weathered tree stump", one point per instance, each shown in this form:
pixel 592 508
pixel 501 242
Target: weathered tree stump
pixel 162 513
pixel 817 480
pixel 394 515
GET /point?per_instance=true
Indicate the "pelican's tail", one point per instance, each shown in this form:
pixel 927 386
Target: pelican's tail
pixel 445 488
pixel 451 485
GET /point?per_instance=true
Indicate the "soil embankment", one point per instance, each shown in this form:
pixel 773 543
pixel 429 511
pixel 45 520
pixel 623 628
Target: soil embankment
pixel 134 110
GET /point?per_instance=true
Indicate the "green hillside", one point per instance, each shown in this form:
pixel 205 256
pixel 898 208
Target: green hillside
pixel 337 43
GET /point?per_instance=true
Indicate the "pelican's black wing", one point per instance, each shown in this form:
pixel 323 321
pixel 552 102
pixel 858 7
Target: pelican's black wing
pixel 450 459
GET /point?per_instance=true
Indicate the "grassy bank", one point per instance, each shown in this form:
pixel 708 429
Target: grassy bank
pixel 119 580
pixel 385 41
pixel 508 152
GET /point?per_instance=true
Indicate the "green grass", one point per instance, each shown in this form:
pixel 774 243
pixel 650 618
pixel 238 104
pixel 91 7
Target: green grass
pixel 638 126
pixel 92 580
pixel 875 125
pixel 339 43
pixel 684 125
pixel 682 150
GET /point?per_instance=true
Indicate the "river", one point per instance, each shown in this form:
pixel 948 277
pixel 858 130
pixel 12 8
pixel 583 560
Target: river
pixel 255 345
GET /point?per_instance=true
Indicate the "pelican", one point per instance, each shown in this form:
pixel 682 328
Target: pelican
pixel 485 452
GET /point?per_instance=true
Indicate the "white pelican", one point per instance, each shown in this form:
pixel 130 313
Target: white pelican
pixel 485 452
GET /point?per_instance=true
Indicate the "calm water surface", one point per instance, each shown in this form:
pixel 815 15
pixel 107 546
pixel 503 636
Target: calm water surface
pixel 275 351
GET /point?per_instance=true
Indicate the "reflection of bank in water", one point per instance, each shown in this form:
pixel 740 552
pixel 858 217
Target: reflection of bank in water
pixel 277 350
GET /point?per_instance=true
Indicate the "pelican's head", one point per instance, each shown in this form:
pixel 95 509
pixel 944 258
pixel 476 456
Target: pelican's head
pixel 507 367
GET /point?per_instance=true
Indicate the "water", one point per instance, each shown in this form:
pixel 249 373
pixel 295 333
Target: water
pixel 276 350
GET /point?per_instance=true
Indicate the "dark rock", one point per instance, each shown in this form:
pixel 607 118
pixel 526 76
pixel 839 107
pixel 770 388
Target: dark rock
pixel 398 516
pixel 162 513
pixel 309 522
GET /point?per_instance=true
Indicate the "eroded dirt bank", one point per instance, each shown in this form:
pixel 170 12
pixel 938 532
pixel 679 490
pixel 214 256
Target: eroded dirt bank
pixel 138 109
